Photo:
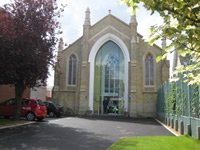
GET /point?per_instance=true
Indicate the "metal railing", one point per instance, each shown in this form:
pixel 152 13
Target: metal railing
pixel 180 102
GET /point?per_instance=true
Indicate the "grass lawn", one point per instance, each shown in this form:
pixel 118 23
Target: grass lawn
pixel 157 143
pixel 9 122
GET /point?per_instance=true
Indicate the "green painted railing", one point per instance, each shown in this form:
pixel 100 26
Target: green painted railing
pixel 178 105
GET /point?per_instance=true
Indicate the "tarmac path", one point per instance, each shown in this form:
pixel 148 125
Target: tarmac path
pixel 77 133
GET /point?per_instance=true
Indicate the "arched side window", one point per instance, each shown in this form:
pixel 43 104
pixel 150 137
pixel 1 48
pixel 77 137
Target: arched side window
pixel 72 70
pixel 149 77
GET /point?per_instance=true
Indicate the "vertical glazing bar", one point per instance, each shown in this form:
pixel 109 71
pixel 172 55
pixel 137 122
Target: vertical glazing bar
pixel 182 105
pixel 188 100
pixel 199 101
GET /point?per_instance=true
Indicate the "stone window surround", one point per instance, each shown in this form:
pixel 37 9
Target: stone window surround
pixel 67 69
pixel 144 56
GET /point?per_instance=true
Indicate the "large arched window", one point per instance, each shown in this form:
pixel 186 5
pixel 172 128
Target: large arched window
pixel 112 74
pixel 149 70
pixel 72 70
pixel 109 78
pixel 94 94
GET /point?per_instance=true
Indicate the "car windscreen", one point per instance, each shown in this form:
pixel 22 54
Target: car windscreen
pixel 39 102
pixel 53 104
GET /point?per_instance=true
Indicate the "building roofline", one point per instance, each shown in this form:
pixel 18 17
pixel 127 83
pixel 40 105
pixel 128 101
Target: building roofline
pixel 72 43
pixel 158 47
pixel 102 20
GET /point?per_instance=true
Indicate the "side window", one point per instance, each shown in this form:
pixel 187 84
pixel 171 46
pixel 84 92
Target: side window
pixel 26 102
pixel 50 105
pixel 149 77
pixel 47 104
pixel 72 70
pixel 10 102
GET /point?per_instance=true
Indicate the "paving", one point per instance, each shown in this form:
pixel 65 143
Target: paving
pixel 77 133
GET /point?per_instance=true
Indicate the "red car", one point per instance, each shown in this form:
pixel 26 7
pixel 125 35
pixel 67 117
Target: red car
pixel 30 108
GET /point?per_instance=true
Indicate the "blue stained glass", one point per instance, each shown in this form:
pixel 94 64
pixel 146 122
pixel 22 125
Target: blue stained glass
pixel 109 75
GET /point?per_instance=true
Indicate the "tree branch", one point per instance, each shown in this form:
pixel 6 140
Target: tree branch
pixel 177 13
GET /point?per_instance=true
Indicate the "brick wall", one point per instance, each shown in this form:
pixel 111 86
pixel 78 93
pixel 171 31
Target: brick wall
pixel 8 92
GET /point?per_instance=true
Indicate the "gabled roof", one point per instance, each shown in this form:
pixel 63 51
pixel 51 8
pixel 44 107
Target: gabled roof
pixel 110 15
pixel 101 20
pixel 72 43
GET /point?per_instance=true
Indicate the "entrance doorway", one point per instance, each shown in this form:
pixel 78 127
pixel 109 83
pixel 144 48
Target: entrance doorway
pixel 109 80
pixel 111 105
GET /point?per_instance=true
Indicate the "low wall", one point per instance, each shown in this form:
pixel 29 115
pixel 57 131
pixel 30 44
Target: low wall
pixel 182 124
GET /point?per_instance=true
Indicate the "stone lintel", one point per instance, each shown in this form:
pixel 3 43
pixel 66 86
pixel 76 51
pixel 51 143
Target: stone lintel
pixel 133 63
pixel 133 40
pixel 56 88
pixel 133 87
pixel 82 90
pixel 150 92
pixel 84 63
pixel 73 91
pixel 133 91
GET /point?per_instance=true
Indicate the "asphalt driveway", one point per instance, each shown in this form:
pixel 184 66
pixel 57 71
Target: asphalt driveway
pixel 77 133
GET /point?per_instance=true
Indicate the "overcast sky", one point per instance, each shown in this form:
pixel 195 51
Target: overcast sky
pixel 73 18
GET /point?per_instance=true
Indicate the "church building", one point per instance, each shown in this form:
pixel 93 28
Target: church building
pixel 109 70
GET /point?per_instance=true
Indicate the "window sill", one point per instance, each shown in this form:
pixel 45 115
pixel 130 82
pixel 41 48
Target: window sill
pixel 71 85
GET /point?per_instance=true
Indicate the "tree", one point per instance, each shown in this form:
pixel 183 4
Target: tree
pixel 28 30
pixel 181 25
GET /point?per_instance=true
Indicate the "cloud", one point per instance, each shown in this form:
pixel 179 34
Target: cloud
pixel 2 2
pixel 74 15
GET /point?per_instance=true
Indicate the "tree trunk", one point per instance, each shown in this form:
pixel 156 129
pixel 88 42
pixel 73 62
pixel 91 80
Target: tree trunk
pixel 19 91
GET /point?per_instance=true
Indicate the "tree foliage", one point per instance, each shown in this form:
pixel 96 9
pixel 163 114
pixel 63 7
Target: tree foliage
pixel 28 30
pixel 181 25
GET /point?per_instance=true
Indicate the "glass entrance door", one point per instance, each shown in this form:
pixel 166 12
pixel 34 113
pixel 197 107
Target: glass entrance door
pixel 109 79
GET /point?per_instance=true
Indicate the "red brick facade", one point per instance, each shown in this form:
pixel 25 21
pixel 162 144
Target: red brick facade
pixel 8 92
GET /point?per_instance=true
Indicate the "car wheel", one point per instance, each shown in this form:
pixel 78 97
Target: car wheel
pixel 6 117
pixel 51 114
pixel 30 116
pixel 40 119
